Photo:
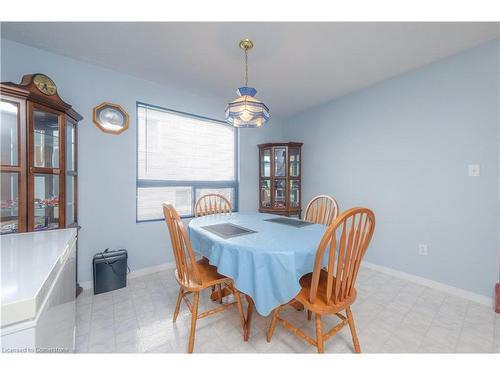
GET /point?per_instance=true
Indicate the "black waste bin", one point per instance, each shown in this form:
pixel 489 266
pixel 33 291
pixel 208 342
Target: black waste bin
pixel 110 270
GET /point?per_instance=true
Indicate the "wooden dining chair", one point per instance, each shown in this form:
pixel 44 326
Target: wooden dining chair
pixel 210 204
pixel 330 289
pixel 322 209
pixel 194 275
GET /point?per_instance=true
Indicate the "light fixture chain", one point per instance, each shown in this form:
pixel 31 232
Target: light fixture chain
pixel 246 67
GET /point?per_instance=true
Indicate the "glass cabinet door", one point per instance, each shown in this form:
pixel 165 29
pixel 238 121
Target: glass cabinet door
pixel 11 168
pixel 70 146
pixel 46 172
pixel 265 162
pixel 70 200
pixel 9 202
pixel 45 139
pixel 46 202
pixel 280 161
pixel 294 193
pixel 294 155
pixel 265 192
pixel 9 126
pixel 279 193
pixel 71 173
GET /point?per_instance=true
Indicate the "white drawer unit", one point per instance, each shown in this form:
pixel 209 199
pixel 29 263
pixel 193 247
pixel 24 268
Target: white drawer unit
pixel 38 291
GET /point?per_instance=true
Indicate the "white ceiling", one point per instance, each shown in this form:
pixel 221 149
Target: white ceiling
pixel 294 66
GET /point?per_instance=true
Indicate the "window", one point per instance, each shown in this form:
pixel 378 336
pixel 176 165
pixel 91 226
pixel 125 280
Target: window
pixel 181 157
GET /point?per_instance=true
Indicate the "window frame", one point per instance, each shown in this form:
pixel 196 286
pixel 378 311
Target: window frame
pixel 194 184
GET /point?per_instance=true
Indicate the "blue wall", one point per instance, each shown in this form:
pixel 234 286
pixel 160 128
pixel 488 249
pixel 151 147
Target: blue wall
pixel 107 163
pixel 402 148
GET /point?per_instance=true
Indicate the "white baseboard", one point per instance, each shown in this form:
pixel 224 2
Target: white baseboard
pixel 483 300
pixel 148 270
pixel 137 273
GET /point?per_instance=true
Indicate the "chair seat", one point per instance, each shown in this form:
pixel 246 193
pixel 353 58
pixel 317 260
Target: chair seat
pixel 208 274
pixel 320 305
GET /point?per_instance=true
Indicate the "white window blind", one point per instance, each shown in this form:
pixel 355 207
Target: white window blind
pixel 180 157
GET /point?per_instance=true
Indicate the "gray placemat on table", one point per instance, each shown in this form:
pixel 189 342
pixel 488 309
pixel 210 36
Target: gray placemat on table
pixel 291 222
pixel 228 230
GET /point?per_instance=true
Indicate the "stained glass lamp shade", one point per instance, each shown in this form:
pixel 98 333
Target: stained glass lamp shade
pixel 246 111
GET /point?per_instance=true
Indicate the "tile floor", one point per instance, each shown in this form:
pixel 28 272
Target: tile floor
pixel 391 316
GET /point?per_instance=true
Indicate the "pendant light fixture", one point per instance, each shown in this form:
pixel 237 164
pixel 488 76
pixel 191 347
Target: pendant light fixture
pixel 246 111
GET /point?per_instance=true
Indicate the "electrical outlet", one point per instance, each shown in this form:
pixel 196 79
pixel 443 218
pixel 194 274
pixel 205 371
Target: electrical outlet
pixel 474 170
pixel 422 249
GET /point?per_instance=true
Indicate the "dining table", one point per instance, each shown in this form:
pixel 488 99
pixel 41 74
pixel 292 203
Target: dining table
pixel 263 254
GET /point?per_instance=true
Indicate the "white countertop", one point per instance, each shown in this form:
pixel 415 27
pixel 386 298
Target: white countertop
pixel 28 259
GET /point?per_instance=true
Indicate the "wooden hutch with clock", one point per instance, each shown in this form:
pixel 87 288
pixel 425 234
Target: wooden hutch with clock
pixel 38 157
pixel 38 166
pixel 280 178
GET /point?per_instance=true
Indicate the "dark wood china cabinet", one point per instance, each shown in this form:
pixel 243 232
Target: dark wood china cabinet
pixel 38 157
pixel 280 178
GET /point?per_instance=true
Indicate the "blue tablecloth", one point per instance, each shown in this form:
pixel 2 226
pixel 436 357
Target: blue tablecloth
pixel 266 265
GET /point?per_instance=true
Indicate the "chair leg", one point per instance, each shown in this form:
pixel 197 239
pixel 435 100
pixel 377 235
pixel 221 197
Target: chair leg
pixel 193 321
pixel 219 290
pixel 272 326
pixel 240 307
pixel 309 314
pixel 178 304
pixel 248 321
pixel 319 334
pixel 213 290
pixel 355 340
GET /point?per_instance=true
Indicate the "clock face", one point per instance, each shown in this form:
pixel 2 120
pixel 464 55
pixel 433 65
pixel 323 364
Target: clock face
pixel 45 84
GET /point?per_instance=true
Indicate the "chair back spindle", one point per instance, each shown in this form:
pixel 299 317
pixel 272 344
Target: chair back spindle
pixel 210 204
pixel 322 209
pixel 185 261
pixel 342 248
